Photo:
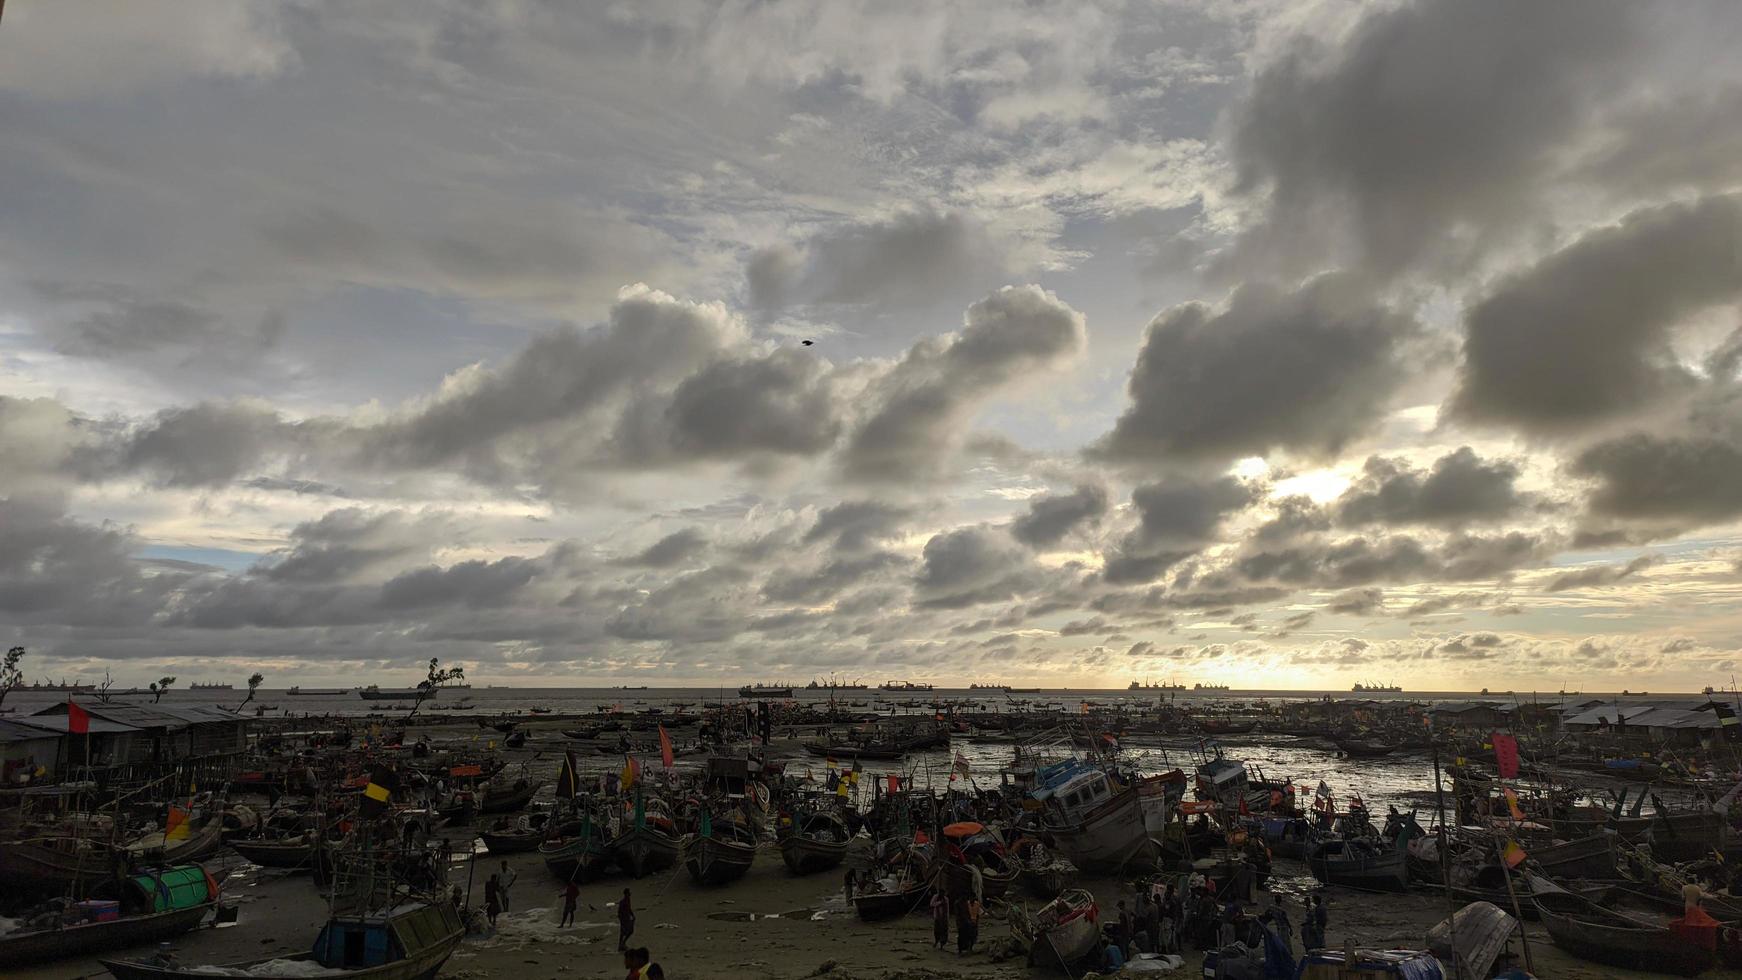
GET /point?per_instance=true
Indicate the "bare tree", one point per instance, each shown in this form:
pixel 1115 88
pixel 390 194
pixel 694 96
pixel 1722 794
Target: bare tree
pixel 103 688
pixel 253 685
pixel 11 674
pixel 159 688
pixel 438 676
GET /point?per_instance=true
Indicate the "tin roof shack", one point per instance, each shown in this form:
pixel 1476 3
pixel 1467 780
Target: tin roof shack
pixel 200 744
pixel 1472 716
pixel 29 754
pixel 1651 722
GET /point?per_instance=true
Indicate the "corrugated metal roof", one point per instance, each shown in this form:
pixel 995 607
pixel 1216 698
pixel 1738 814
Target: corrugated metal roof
pixel 15 731
pixel 57 724
pixel 1652 715
pixel 173 717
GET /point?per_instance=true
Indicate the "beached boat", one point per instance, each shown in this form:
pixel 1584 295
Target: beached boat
pixel 149 907
pixel 818 842
pixel 1592 857
pixel 1360 863
pixel 294 852
pixel 1103 825
pixel 508 799
pixel 409 943
pixel 580 857
pixel 1370 964
pixel 1365 748
pixel 880 906
pixel 1060 933
pixel 54 862
pixel 721 855
pixel 1593 933
pixel 645 848
pixel 1688 836
pixel 1038 872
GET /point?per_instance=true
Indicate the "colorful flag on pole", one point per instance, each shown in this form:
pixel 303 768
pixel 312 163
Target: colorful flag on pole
pixel 176 827
pixel 382 782
pixel 568 779
pixel 665 753
pixel 1728 723
pixel 1506 755
pixel 1512 804
pixel 894 783
pixel 1512 854
pixel 959 767
pixel 78 720
pixel 631 772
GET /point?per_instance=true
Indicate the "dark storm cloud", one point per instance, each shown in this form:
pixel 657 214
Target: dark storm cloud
pixel 709 605
pixel 1584 335
pixel 1458 489
pixel 350 543
pixel 674 549
pixel 1176 517
pixel 854 525
pixel 779 405
pixel 1676 480
pixel 1051 517
pixel 831 578
pixel 467 583
pixel 1434 124
pixel 1392 559
pixel 1369 601
pixel 203 445
pixel 1295 517
pixel 972 565
pixel 56 570
pixel 1303 372
pixel 912 259
pixel 923 404
pixel 1599 575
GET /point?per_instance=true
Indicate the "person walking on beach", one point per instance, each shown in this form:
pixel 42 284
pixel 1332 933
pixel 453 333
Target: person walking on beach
pixel 940 920
pixel 1321 919
pixel 625 921
pixel 571 895
pixel 967 925
pixel 1278 917
pixel 504 879
pixel 492 900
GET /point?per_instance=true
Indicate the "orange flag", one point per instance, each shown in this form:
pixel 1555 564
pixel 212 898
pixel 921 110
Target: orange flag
pixel 176 827
pixel 1512 854
pixel 665 753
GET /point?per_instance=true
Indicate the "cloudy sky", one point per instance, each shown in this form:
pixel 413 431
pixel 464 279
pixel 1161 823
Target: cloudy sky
pixel 1281 344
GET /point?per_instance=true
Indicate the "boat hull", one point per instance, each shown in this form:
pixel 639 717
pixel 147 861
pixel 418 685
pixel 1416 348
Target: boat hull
pixel 424 964
pixel 882 907
pixel 808 855
pixel 1383 871
pixel 1590 933
pixel 276 855
pixel 1117 834
pixel 717 861
pixel 643 850
pixel 42 946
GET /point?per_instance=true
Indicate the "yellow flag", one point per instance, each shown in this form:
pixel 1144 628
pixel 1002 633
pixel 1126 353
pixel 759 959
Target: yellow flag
pixel 176 827
pixel 1512 804
pixel 1512 854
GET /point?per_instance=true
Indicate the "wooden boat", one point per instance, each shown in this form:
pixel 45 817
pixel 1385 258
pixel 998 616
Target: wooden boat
pixel 1038 872
pixel 1488 884
pixel 1103 827
pixel 152 907
pixel 1593 857
pixel 995 880
pixel 289 853
pixel 645 849
pixel 817 842
pixel 460 808
pixel 583 857
pixel 1593 933
pixel 846 750
pixel 53 863
pixel 410 943
pixel 508 799
pixel 881 906
pixel 1062 932
pixel 1365 748
pixel 1688 836
pixel 1360 863
pixel 722 855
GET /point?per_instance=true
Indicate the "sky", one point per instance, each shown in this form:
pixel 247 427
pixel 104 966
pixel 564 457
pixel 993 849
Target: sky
pixel 1279 344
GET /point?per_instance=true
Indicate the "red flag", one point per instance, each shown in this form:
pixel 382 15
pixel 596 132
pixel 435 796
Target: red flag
pixel 665 753
pixel 1506 755
pixel 78 720
pixel 894 783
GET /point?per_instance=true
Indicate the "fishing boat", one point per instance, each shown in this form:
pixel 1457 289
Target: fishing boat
pixel 508 799
pixel 52 863
pixel 147 907
pixel 295 852
pixel 1103 825
pixel 723 852
pixel 1360 863
pixel 579 857
pixel 1061 932
pixel 409 943
pixel 1365 748
pixel 1592 857
pixel 1039 873
pixel 1600 935
pixel 878 906
pixel 1688 836
pixel 648 843
pixel 817 842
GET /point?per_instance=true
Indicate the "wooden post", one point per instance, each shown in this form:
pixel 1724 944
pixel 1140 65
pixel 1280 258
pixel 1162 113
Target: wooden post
pixel 1523 936
pixel 1446 860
